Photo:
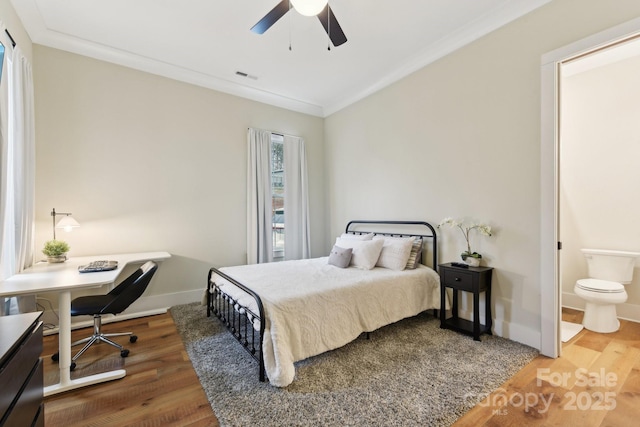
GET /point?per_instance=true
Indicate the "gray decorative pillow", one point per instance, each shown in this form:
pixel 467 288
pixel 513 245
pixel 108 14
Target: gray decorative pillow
pixel 340 257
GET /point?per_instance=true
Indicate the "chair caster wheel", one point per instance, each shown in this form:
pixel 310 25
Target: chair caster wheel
pixel 133 338
pixel 73 366
pixel 124 353
pixel 55 357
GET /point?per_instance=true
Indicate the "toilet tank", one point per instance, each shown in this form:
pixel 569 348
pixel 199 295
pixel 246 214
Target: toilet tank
pixel 616 266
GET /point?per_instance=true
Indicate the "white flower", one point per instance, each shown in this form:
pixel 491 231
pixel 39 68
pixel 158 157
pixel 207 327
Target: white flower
pixel 484 229
pixel 448 221
pixel 465 228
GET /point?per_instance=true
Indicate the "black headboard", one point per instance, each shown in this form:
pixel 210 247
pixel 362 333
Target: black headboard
pixel 424 230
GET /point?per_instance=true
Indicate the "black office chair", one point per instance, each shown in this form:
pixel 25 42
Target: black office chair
pixel 115 302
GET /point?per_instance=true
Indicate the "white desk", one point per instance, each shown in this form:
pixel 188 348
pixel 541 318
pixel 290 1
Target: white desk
pixel 64 278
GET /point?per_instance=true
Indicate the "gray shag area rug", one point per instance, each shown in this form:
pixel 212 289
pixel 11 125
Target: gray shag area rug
pixel 411 373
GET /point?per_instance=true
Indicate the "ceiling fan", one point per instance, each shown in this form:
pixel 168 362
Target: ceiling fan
pixel 319 8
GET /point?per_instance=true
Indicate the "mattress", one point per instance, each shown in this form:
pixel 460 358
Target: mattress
pixel 311 306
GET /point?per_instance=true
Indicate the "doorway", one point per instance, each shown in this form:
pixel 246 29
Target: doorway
pixel 599 174
pixel 551 72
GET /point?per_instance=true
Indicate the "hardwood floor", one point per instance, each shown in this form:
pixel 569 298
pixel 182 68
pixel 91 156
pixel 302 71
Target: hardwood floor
pixel 595 372
pixel 160 388
pixel 596 382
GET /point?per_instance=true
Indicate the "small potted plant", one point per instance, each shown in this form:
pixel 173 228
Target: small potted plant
pixel 56 250
pixel 469 257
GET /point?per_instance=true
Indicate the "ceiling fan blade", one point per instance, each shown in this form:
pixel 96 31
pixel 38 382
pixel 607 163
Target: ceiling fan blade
pixel 270 18
pixel 331 26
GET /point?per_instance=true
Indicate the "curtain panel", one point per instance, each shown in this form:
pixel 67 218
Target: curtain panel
pixel 17 172
pixel 296 200
pixel 17 168
pixel 22 132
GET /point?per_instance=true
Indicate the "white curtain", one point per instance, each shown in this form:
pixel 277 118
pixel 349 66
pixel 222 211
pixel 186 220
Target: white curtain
pixel 296 199
pixel 259 207
pixel 17 167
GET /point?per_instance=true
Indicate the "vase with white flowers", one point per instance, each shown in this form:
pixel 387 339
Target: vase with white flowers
pixel 470 257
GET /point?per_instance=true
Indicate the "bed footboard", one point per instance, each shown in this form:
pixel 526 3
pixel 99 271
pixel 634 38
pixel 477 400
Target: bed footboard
pixel 239 320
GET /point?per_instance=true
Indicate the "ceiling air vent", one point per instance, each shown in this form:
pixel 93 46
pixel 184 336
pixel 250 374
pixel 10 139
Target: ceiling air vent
pixel 249 76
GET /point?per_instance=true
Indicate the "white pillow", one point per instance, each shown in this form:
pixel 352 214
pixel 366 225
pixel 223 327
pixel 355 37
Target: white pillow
pixel 365 252
pixel 395 252
pixel 368 236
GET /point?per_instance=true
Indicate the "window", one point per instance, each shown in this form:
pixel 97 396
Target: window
pixel 1 59
pixel 276 183
pixel 277 195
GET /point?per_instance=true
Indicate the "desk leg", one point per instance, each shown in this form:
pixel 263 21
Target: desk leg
pixel 64 349
pixel 64 337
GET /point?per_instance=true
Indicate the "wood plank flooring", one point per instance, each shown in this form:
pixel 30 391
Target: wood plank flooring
pixel 160 388
pixel 595 373
pixel 596 382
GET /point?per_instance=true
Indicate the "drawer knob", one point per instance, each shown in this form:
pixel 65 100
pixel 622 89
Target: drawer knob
pixel 457 279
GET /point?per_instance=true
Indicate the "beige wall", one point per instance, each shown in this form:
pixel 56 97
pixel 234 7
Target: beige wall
pixel 146 163
pixel 461 137
pixel 600 148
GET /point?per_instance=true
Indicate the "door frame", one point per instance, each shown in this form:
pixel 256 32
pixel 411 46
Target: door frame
pixel 550 291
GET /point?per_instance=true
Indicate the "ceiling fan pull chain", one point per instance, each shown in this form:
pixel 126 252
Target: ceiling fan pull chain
pixel 290 18
pixel 328 27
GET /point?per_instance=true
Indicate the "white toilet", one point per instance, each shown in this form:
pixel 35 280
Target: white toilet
pixel 608 272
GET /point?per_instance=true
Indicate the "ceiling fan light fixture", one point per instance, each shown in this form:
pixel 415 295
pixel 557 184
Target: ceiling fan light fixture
pixel 309 7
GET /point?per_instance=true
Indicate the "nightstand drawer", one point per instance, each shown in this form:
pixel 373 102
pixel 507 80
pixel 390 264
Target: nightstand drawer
pixel 458 280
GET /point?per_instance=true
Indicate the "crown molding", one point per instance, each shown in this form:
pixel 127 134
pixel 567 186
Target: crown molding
pixel 40 34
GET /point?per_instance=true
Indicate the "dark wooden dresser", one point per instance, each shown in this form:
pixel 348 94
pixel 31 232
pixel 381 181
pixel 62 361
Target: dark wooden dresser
pixel 21 380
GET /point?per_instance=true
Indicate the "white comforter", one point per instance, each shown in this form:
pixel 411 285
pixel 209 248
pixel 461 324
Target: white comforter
pixel 311 306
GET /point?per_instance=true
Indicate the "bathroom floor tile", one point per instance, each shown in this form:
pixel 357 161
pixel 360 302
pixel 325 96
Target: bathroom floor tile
pixel 628 333
pixel 593 341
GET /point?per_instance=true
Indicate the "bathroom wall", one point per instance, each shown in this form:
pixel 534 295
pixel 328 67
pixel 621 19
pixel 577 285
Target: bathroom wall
pixel 599 172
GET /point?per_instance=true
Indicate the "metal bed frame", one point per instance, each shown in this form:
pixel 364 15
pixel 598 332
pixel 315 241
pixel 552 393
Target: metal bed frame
pixel 239 320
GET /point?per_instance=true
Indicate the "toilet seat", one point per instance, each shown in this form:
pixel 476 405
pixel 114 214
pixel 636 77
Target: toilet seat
pixel 600 286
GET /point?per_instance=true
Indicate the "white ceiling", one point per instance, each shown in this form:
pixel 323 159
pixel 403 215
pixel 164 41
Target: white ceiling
pixel 205 42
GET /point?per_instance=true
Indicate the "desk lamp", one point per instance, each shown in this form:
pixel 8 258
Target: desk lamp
pixel 68 222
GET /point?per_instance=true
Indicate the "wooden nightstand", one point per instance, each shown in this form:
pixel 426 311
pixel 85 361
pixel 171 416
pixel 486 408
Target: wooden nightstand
pixel 474 280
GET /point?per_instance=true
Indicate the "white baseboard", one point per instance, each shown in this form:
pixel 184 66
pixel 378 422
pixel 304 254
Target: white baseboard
pixel 571 300
pixel 504 329
pixel 144 306
pixel 625 311
pixel 156 304
pixel 518 333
